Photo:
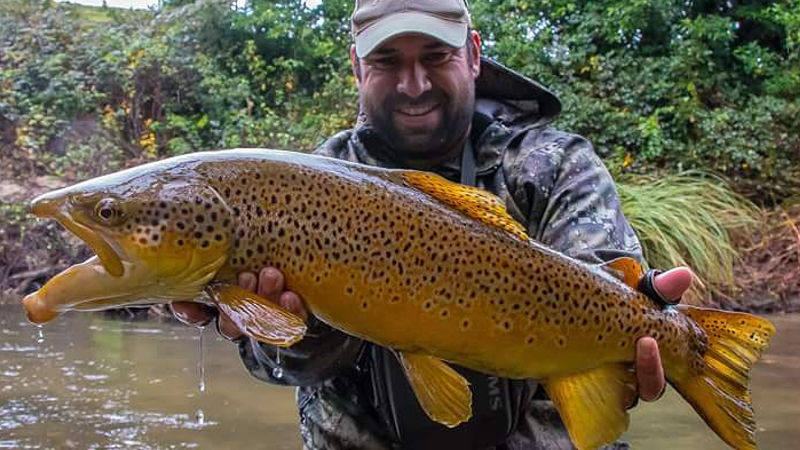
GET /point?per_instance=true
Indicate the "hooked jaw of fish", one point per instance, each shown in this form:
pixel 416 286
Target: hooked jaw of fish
pixel 148 250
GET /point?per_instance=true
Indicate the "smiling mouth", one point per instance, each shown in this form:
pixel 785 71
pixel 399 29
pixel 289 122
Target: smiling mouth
pixel 417 110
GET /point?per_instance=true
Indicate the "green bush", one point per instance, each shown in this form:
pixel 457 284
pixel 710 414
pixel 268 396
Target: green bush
pixel 668 85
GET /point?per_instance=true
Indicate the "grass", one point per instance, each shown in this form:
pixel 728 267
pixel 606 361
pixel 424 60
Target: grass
pixel 96 15
pixel 93 14
pixel 688 219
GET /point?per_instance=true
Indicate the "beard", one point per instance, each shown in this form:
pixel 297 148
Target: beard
pixel 430 138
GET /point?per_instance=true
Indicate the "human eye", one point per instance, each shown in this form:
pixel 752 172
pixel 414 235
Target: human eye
pixel 436 58
pixel 383 62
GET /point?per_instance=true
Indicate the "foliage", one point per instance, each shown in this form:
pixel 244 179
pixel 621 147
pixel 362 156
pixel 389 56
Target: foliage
pixel 667 84
pixel 157 84
pixel 688 219
pixel 658 86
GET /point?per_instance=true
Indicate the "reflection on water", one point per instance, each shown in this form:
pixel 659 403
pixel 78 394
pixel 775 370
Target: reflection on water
pixel 99 383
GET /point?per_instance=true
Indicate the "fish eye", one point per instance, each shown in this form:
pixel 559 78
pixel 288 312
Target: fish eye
pixel 107 211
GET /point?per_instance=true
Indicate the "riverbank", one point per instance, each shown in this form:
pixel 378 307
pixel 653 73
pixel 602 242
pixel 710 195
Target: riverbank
pixel 766 276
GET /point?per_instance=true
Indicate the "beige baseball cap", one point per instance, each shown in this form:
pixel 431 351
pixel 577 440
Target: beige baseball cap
pixel 376 21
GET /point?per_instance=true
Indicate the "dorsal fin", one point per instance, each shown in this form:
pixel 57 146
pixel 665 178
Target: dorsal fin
pixel 474 202
pixel 628 270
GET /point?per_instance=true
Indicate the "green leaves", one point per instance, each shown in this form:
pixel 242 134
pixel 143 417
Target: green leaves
pixel 654 84
pixel 196 75
pixel 671 84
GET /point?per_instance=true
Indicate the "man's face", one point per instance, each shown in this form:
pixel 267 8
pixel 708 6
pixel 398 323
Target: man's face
pixel 419 93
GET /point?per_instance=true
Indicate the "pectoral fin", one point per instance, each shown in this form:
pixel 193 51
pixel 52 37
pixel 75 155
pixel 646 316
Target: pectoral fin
pixel 257 316
pixel 593 404
pixel 442 392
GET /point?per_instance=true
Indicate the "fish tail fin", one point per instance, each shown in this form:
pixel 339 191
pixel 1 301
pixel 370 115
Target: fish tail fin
pixel 716 384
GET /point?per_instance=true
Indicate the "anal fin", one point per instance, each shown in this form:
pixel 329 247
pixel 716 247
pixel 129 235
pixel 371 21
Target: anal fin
pixel 443 393
pixel 258 317
pixel 593 404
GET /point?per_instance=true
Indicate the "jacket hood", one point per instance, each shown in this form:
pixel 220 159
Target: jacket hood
pixel 512 98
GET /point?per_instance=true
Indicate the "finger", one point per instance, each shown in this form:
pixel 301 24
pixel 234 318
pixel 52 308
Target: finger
pixel 247 280
pixel 228 329
pixel 192 313
pixel 270 283
pixel 294 304
pixel 649 372
pixel 672 284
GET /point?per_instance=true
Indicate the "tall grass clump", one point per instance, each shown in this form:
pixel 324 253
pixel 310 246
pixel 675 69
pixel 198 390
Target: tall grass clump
pixel 688 219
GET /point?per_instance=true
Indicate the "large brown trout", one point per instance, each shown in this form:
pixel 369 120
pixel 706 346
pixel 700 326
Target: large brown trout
pixel 404 259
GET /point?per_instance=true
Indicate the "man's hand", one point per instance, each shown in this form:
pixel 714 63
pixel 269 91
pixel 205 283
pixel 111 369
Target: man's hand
pixel 269 284
pixel 649 373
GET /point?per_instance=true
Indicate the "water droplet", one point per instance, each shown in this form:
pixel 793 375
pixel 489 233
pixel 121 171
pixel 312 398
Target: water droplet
pixel 200 417
pixel 202 364
pixel 40 335
pixel 277 372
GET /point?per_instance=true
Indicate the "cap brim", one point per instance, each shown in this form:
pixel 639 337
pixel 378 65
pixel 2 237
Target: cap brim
pixel 451 33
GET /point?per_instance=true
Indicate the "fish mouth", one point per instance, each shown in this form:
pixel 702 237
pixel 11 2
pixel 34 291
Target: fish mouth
pixel 84 286
pixel 100 282
pixel 118 275
pixel 51 208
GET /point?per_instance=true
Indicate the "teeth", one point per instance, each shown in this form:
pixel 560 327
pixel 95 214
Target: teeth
pixel 416 110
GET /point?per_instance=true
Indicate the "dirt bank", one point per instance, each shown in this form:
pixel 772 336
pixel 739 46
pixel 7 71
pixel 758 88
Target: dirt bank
pixel 768 275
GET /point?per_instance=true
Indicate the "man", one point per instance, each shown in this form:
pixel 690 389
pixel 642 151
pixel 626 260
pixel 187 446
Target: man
pixel 429 101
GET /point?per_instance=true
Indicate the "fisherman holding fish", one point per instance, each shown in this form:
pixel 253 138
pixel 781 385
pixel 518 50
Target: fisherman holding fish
pixel 429 101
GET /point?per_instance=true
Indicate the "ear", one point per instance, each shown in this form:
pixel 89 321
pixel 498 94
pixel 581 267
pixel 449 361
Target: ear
pixel 354 62
pixel 476 53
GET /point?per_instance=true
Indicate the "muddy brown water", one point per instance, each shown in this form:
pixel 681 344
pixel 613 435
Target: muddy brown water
pixel 93 382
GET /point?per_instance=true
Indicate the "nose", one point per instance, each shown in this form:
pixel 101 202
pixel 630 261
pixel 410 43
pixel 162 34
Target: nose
pixel 413 80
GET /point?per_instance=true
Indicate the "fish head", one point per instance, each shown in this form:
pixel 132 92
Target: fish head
pixel 156 239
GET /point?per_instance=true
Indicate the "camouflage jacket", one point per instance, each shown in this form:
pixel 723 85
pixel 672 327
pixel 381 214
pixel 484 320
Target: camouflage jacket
pixel 551 181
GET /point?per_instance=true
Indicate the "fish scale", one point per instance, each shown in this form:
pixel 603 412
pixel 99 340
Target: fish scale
pixel 408 260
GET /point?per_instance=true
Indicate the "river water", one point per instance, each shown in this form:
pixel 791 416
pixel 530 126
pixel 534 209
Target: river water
pixel 91 382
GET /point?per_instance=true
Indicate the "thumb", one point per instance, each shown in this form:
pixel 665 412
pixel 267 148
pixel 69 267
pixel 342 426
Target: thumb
pixel 672 284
